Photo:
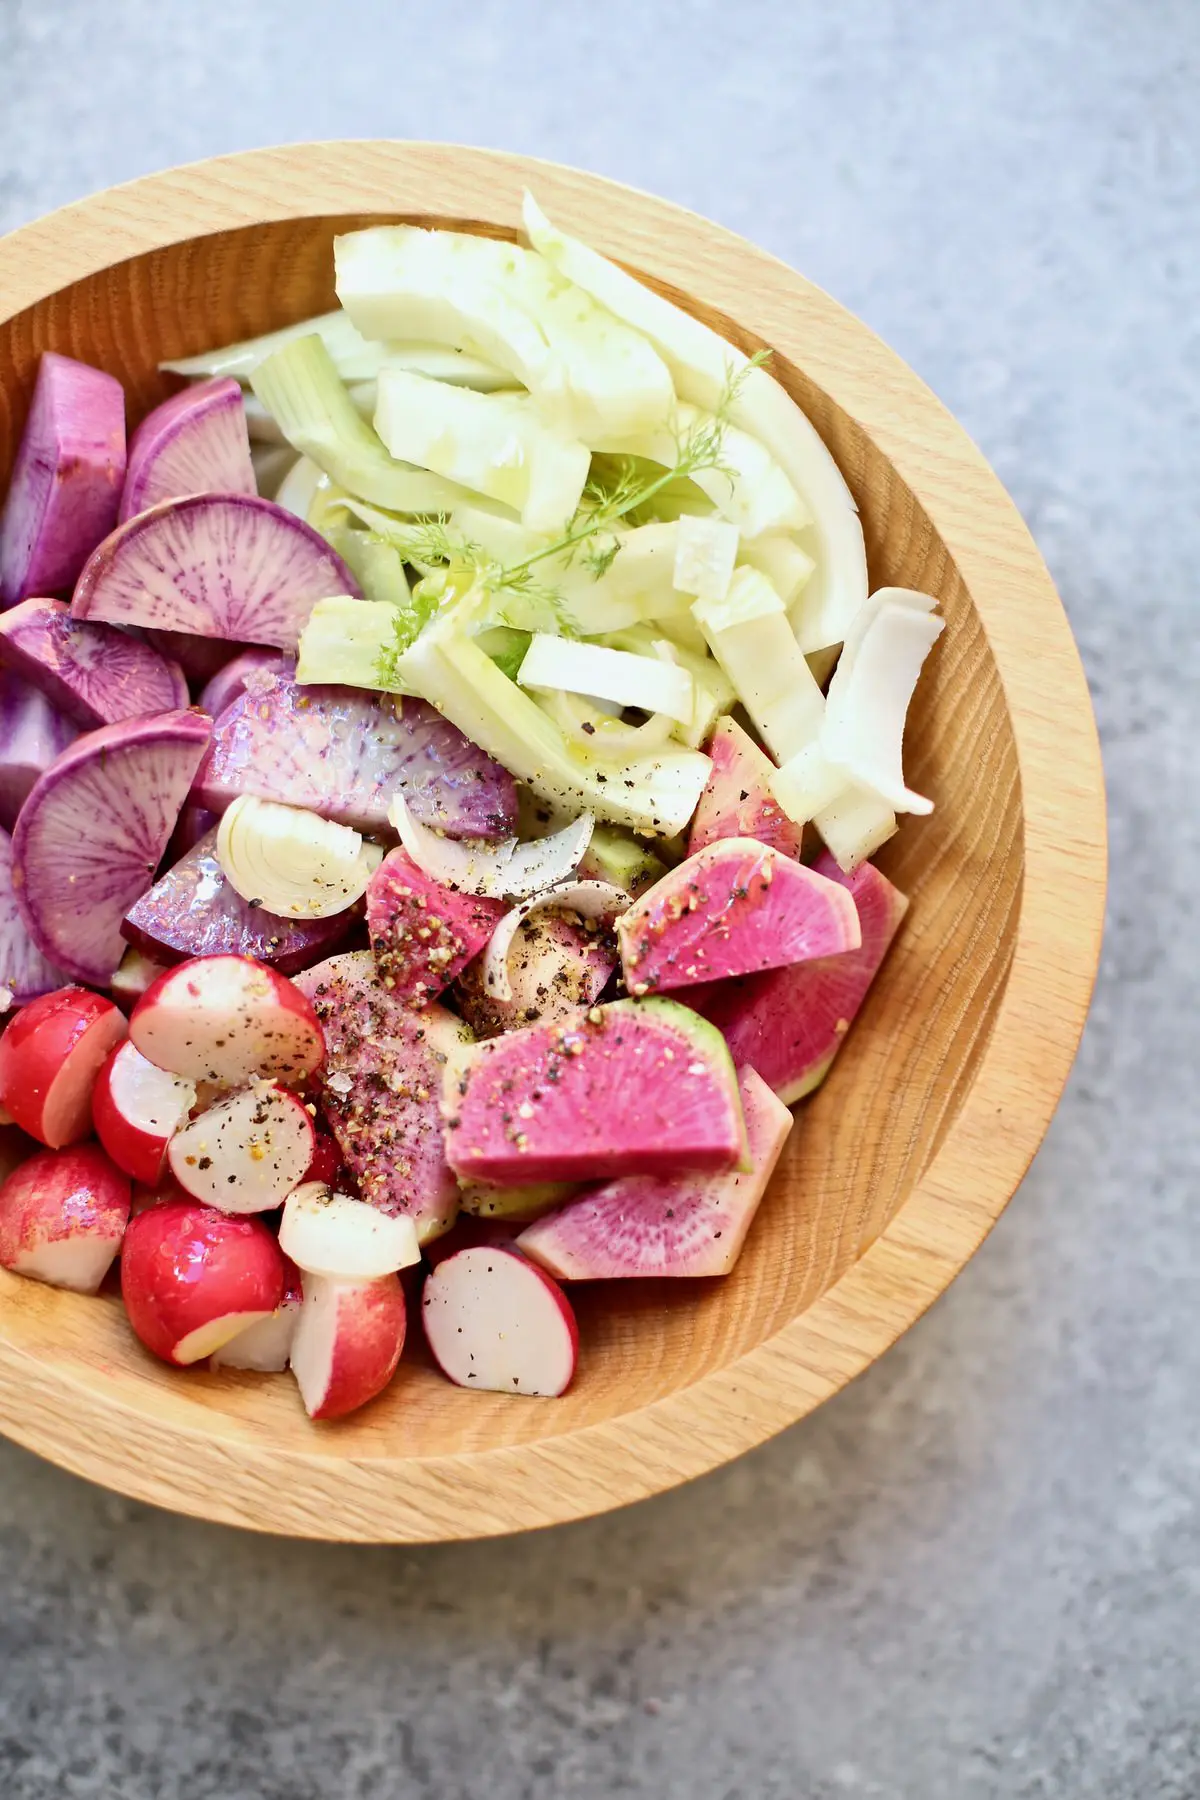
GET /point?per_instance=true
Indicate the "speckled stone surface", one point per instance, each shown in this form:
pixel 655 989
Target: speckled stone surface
pixel 977 1573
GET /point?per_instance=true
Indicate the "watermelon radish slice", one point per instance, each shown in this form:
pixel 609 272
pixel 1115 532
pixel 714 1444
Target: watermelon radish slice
pixel 665 1224
pixel 495 1321
pixel 217 565
pixel 734 908
pixel 194 443
pixel 636 1085
pixel 93 674
pixel 423 934
pixel 557 968
pixel 24 971
pixel 789 1024
pixel 246 1153
pixel 193 910
pixel 737 800
pixel 229 682
pixel 92 833
pixel 227 1020
pixel 66 481
pixel 343 753
pixel 380 1088
pixel 32 735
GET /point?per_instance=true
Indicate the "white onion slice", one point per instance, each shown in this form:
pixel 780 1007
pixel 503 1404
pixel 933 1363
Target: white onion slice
pixel 291 862
pixel 509 870
pixel 590 899
pixel 869 695
pixel 618 675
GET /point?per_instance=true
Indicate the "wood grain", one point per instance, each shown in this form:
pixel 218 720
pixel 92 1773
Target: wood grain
pixel 899 1166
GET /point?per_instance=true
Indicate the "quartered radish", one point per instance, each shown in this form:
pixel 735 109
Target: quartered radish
pixel 93 830
pixel 246 1153
pixel 266 1346
pixel 24 971
pixel 63 1214
pixel 32 734
pixel 193 1278
pixel 230 682
pixel 50 1055
pixel 94 674
pixel 347 1342
pixel 217 565
pixel 496 1321
pixel 331 1234
pixel 137 1109
pixel 194 443
pixel 423 934
pixel 227 1019
pixel 66 482
pixel 738 800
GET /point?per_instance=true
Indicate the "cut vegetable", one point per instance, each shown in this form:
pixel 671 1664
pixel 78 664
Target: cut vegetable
pixel 193 1278
pixel 508 869
pixel 24 971
pixel 66 481
pixel 786 566
pixel 612 856
pixel 854 826
pixel 137 1109
pixel 557 967
pixel 93 830
pixel 654 685
pixel 679 1225
pixel 63 1214
pixel 246 1153
pixel 745 484
pixel 497 1322
pixel 291 861
pixel 705 553
pixel 227 1019
pixel 422 933
pixel 230 682
pixel 93 674
pixel 347 1240
pixel 347 1343
pixel 266 1346
pixel 134 974
pixel 217 565
pixel 806 784
pixel 352 643
pixel 32 734
pixel 737 800
pixel 50 1055
pixel 590 900
pixel 200 658
pixel 486 1205
pixel 751 638
pixel 194 443
pixel 869 695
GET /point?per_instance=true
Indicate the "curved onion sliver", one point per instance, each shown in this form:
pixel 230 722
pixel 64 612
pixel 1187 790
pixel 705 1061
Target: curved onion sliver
pixel 611 738
pixel 509 870
pixel 590 899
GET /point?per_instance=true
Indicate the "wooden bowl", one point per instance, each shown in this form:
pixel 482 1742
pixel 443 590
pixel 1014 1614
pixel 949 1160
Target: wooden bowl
pixel 905 1158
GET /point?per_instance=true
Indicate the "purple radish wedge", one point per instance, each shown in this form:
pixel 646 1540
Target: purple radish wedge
pixel 195 822
pixel 789 1024
pixel 200 658
pixel 193 910
pixel 734 908
pixel 24 971
pixel 93 674
pixel 498 1323
pixel 343 754
pixel 32 735
pixel 422 934
pixel 737 800
pixel 92 833
pixel 229 682
pixel 194 443
pixel 636 1085
pixel 246 1153
pixel 557 968
pixel 217 565
pixel 665 1224
pixel 228 1020
pixel 66 481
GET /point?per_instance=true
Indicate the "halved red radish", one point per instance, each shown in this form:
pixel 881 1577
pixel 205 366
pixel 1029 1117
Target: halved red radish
pixel 133 975
pixel 330 1234
pixel 347 1343
pixel 24 971
pixel 63 1215
pixel 229 682
pixel 194 443
pixel 93 674
pixel 32 734
pixel 92 831
pixel 137 1109
pixel 423 934
pixel 228 1019
pixel 50 1056
pixel 496 1321
pixel 247 1153
pixel 218 565
pixel 267 1345
pixel 66 481
pixel 192 1278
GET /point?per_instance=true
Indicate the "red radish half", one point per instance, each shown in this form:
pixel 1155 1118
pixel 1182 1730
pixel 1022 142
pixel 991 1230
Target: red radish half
pixel 194 443
pixel 24 971
pixel 50 1057
pixel 192 1278
pixel 229 682
pixel 92 831
pixel 134 974
pixel 423 934
pixel 137 1109
pixel 62 1217
pixel 347 1343
pixel 266 1345
pixel 330 1234
pixel 247 1153
pixel 217 565
pixel 66 481
pixel 93 674
pixel 737 800
pixel 227 1019
pixel 496 1321
pixel 32 734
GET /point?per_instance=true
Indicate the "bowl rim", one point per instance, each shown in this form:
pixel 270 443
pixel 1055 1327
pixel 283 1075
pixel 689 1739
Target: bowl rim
pixel 213 1469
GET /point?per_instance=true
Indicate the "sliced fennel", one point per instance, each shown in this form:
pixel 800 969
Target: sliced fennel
pixel 745 484
pixel 648 682
pixel 601 736
pixel 588 899
pixel 272 463
pixel 705 552
pixel 751 638
pixel 713 690
pixel 356 643
pixel 353 357
pixel 807 784
pixel 868 702
pixel 508 870
pixel 291 862
pixel 854 826
pixel 785 564
pixel 298 489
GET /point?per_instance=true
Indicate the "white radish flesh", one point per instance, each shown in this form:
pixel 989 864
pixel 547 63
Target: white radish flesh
pixel 266 1346
pixel 331 1234
pixel 137 1109
pixel 94 674
pixel 194 443
pixel 347 1343
pixel 495 1321
pixel 227 1019
pixel 247 1153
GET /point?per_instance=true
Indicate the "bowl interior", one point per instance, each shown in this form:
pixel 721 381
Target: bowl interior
pixel 859 1147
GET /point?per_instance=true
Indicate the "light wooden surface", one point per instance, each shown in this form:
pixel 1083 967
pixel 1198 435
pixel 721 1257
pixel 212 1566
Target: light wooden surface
pixel 898 1168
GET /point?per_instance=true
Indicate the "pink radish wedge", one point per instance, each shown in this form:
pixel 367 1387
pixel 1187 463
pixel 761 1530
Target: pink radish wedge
pixel 266 1346
pixel 423 934
pixel 66 482
pixel 93 674
pixel 92 832
pixel 193 1278
pixel 737 800
pixel 228 1019
pixel 32 734
pixel 50 1057
pixel 348 1342
pixel 217 565
pixel 62 1217
pixel 330 1234
pixel 229 683
pixel 246 1153
pixel 24 971
pixel 134 974
pixel 497 1322
pixel 194 443
pixel 665 1225
pixel 734 908
pixel 137 1109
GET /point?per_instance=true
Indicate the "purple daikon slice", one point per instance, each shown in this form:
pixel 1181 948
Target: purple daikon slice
pixel 200 658
pixel 66 481
pixel 343 753
pixel 92 833
pixel 229 683
pixel 194 443
pixel 93 674
pixel 32 734
pixel 217 565
pixel 24 971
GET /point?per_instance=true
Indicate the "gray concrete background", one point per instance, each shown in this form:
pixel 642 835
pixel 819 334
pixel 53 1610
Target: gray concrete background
pixel 977 1573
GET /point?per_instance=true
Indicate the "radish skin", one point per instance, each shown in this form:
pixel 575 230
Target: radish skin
pixel 193 1278
pixel 50 1056
pixel 63 1214
pixel 348 1342
pixel 93 674
pixel 498 1322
